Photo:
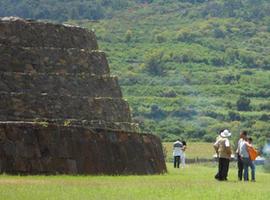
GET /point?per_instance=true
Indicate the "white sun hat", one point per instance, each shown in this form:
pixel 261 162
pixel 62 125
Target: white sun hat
pixel 225 133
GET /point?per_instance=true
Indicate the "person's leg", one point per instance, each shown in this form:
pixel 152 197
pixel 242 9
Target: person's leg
pixel 178 161
pixel 174 161
pixel 218 175
pixel 240 168
pixel 183 160
pixel 226 168
pixel 245 165
pixel 252 166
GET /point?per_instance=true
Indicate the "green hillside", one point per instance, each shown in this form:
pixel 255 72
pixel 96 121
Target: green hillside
pixel 188 70
pixel 61 10
pixel 187 67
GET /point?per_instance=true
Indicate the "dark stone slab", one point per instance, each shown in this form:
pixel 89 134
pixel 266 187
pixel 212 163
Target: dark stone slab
pixel 27 33
pixel 65 84
pixel 30 106
pixel 77 150
pixel 52 60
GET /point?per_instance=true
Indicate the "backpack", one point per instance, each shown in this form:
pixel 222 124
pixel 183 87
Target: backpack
pixel 253 153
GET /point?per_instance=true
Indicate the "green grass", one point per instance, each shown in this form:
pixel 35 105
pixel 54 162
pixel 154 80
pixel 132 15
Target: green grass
pixel 193 182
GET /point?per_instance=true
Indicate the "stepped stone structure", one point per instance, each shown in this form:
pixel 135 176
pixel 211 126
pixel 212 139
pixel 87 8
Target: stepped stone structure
pixel 61 111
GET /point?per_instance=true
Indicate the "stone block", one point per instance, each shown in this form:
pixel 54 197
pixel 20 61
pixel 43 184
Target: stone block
pixel 72 85
pixel 27 33
pixel 29 107
pixel 52 60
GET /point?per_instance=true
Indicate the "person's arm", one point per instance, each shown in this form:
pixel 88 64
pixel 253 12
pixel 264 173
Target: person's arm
pixel 248 145
pixel 238 147
pixel 184 148
pixel 216 146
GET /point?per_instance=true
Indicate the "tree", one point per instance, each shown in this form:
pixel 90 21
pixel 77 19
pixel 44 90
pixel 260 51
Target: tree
pixel 243 104
pixel 156 112
pixel 219 33
pixel 234 116
pixel 154 63
pixel 128 35
pixel 160 38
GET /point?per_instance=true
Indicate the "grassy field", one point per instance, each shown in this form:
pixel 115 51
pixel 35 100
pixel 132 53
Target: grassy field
pixel 193 182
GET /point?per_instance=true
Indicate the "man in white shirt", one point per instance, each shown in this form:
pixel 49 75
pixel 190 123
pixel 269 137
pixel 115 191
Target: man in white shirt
pixel 243 136
pixel 177 153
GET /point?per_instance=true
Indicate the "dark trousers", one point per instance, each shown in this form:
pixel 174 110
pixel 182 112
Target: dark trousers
pixel 223 168
pixel 176 161
pixel 240 167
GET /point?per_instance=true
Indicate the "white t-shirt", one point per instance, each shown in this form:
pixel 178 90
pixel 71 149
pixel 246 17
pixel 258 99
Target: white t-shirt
pixel 177 148
pixel 243 149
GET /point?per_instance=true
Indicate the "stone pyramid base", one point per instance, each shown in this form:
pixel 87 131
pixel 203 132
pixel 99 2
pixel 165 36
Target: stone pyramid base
pixel 42 148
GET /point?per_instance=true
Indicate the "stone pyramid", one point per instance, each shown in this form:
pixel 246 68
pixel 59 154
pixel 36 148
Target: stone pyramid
pixel 61 111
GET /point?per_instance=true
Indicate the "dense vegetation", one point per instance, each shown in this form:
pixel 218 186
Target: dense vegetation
pixel 62 10
pixel 190 69
pixel 187 67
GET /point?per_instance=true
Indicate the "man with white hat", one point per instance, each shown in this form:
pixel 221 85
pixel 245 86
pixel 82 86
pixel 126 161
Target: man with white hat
pixel 223 149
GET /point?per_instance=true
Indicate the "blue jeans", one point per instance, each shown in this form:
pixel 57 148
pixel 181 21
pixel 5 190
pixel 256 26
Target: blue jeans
pixel 246 164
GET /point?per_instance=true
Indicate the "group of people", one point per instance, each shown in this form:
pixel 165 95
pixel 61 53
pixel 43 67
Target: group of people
pixel 245 152
pixel 179 148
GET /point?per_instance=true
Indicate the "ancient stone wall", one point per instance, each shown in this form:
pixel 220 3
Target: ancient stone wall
pixel 61 111
pixel 65 84
pixel 35 148
pixel 52 60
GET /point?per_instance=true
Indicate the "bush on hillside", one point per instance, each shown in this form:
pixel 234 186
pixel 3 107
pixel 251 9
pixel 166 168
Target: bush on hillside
pixel 243 104
pixel 154 63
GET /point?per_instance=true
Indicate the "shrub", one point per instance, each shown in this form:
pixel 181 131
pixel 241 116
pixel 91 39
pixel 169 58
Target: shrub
pixel 156 112
pixel 234 116
pixel 243 104
pixel 168 93
pixel 154 63
pixel 160 38
pixel 218 61
pixel 128 36
pixel 265 117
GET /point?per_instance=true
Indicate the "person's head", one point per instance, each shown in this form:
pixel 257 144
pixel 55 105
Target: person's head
pixel 243 134
pixel 249 139
pixel 226 133
pixel 184 142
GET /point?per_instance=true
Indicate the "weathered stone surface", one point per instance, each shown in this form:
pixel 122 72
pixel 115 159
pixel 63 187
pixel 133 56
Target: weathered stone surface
pixel 52 60
pixel 64 84
pixel 99 124
pixel 77 150
pixel 27 33
pixel 28 106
